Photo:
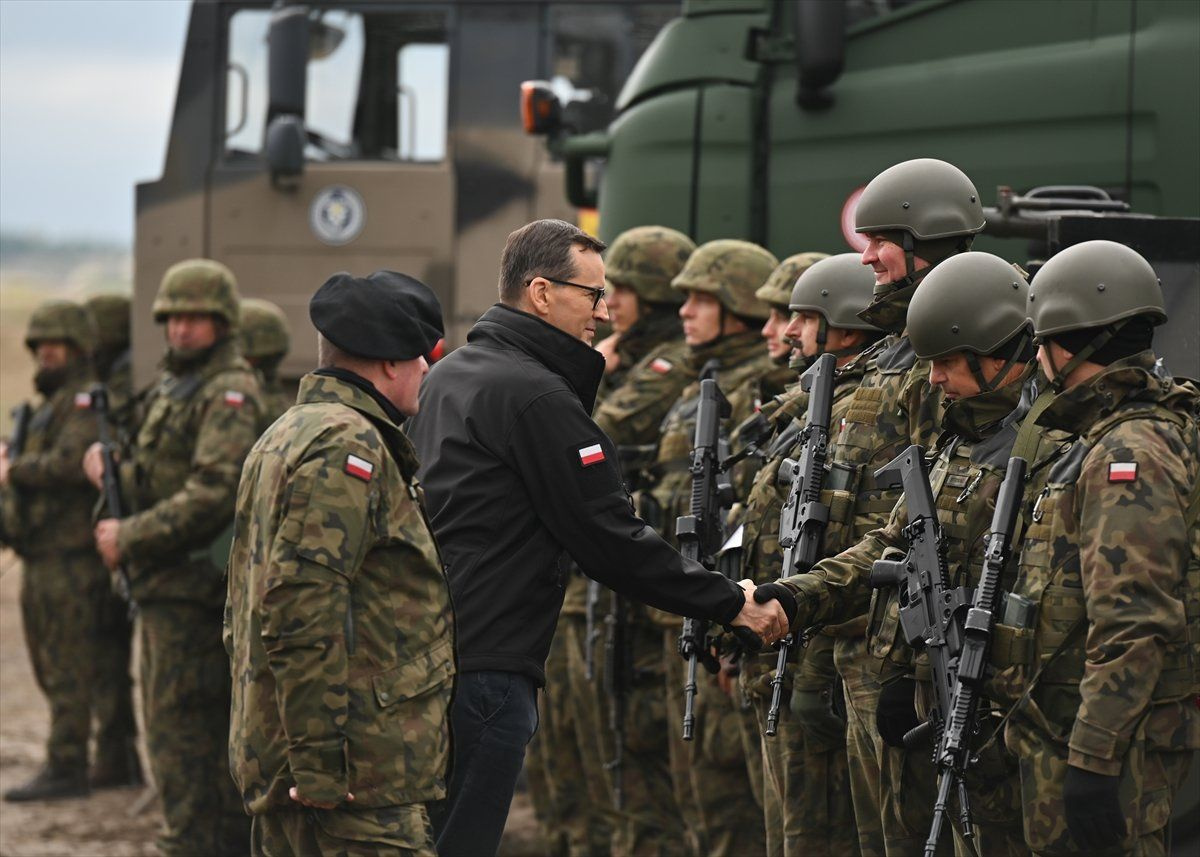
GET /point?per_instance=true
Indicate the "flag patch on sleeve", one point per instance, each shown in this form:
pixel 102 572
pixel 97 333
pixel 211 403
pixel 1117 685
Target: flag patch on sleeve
pixel 589 455
pixel 83 401
pixel 661 365
pixel 359 468
pixel 1122 472
pixel 234 398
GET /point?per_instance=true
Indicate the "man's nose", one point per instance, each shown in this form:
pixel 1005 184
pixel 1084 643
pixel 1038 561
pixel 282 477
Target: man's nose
pixel 600 312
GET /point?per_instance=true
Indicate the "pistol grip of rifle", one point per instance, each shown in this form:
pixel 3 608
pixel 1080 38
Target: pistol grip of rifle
pixel 887 572
pixel 918 736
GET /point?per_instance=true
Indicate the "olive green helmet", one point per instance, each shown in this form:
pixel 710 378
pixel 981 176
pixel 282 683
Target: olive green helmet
pixel 777 290
pixel 972 302
pixel 198 285
pixel 1093 284
pixel 838 288
pixel 646 259
pixel 111 314
pixel 263 330
pixel 731 271
pixel 925 198
pixel 64 321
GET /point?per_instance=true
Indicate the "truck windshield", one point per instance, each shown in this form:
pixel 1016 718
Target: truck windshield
pixel 377 85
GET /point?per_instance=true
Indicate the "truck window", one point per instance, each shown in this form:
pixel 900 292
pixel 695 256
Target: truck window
pixel 377 86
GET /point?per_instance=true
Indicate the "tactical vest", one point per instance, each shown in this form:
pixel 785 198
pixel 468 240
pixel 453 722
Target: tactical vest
pixel 1049 648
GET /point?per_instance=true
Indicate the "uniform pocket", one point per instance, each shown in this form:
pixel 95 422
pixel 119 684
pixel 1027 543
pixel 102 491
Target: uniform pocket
pixel 415 678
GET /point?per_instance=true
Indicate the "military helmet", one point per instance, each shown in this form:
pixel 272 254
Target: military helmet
pixel 198 285
pixel 973 302
pixel 111 314
pixel 777 290
pixel 1093 284
pixel 61 320
pixel 927 198
pixel 263 329
pixel 838 288
pixel 646 259
pixel 731 271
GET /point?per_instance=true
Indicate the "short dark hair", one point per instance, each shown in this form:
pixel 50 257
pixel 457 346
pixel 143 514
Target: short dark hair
pixel 540 249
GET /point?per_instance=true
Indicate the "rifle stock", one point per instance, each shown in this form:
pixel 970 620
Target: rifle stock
pixel 803 519
pixel 111 486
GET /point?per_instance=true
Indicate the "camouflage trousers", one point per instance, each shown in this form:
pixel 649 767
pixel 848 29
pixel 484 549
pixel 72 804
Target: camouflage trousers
pixel 402 831
pixel 650 822
pixel 806 784
pixel 555 766
pixel 713 772
pixel 77 635
pixel 1151 777
pixel 186 695
pixel 864 747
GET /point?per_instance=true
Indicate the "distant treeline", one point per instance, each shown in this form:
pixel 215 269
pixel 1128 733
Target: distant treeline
pixel 70 263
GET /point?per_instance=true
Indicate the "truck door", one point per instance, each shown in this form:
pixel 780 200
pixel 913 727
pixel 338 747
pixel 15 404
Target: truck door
pixel 377 188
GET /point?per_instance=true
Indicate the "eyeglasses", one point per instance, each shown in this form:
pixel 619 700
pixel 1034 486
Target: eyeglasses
pixel 597 294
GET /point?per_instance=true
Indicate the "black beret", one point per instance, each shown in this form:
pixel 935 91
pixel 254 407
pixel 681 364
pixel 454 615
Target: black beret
pixel 386 316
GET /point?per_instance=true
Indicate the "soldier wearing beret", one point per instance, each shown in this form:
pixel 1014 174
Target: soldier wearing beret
pixel 338 621
pixel 180 479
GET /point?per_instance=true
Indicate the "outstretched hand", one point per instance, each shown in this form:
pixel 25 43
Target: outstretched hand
pixel 768 621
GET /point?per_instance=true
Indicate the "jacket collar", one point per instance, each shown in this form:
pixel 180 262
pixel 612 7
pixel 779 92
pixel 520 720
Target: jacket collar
pixel 646 334
pixel 976 417
pixel 575 362
pixel 222 355
pixel 732 350
pixel 324 387
pixel 1139 377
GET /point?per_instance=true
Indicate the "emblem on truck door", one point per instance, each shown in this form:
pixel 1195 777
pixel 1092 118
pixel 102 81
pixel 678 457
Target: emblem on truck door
pixel 337 215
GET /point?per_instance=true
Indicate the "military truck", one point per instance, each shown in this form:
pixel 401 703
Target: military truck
pixel 309 138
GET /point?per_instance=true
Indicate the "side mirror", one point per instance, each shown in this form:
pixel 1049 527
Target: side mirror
pixel 541 112
pixel 820 50
pixel 284 147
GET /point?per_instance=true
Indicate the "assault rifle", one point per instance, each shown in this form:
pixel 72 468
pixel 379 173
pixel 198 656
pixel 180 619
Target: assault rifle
pixel 953 754
pixel 591 630
pixel 110 484
pixel 803 518
pixel 700 531
pixel 21 415
pixel 618 675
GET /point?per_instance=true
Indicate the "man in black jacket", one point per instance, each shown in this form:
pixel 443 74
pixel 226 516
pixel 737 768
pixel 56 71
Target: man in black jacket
pixel 519 480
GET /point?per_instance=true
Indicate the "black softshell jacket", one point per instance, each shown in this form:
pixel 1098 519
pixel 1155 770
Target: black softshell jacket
pixel 514 486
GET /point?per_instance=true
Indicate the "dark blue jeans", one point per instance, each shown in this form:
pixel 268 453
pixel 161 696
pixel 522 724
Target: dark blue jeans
pixel 495 715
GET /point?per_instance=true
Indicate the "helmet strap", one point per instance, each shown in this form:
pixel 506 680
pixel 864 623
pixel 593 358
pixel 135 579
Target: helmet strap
pixel 986 386
pixel 1099 341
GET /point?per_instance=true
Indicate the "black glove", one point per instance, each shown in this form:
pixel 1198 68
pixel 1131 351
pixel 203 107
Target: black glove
pixel 765 592
pixel 896 712
pixel 1093 809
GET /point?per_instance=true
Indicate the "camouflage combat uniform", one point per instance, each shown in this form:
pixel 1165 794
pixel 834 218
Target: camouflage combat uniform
pixel 712 773
pixel 806 785
pixel 340 632
pixel 1111 558
pixel 65 588
pixel 202 417
pixel 265 340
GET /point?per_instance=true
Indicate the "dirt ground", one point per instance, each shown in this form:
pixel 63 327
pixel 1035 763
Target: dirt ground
pixel 111 823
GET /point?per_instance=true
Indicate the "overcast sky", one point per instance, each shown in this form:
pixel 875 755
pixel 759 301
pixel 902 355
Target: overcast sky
pixel 86 93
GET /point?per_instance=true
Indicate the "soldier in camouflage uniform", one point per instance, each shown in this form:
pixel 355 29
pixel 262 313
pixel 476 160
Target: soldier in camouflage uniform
pixel 117 761
pixel 338 622
pixel 1104 662
pixel 645 371
pixel 722 319
pixel 776 292
pixel 265 342
pixel 180 479
pixel 806 786
pixel 47 518
pixel 914 214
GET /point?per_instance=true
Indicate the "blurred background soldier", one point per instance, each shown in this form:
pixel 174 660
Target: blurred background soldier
pixel 644 372
pixel 806 790
pixel 265 342
pixel 722 321
pixel 65 591
pixel 776 293
pixel 181 477
pixel 118 765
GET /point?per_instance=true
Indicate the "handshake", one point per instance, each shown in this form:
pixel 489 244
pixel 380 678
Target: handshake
pixel 768 612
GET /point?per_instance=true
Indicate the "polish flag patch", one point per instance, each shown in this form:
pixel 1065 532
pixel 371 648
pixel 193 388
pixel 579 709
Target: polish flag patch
pixel 661 365
pixel 590 455
pixel 234 399
pixel 1122 472
pixel 359 468
pixel 83 401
